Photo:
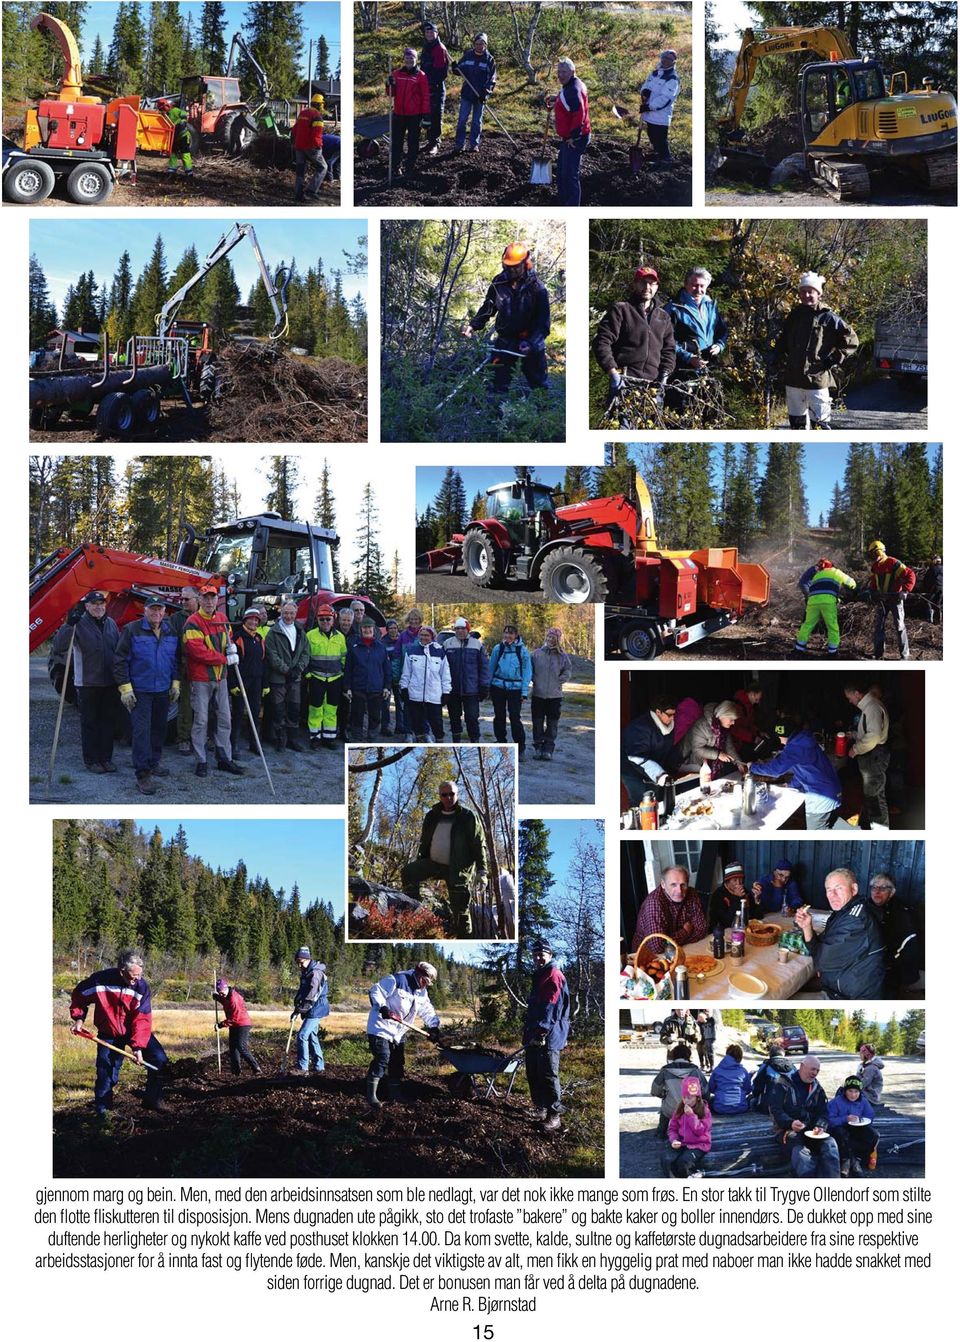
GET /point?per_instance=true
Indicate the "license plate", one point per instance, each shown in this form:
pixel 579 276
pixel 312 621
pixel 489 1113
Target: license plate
pixel 913 368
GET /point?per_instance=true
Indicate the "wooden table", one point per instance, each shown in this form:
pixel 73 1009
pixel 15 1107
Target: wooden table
pixel 783 981
pixel 782 808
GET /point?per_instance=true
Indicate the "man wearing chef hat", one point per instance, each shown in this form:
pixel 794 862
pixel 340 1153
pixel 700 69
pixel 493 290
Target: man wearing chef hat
pixel 812 346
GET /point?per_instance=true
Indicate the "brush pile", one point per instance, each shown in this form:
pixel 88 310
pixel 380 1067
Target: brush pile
pixel 269 396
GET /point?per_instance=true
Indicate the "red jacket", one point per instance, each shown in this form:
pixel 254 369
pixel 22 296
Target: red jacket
pixel 890 575
pixel 744 730
pixel 308 129
pixel 234 1008
pixel 205 644
pixel 411 92
pixel 121 1010
pixel 572 110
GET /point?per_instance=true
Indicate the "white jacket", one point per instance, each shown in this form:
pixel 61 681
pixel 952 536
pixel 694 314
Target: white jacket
pixel 426 674
pixel 873 725
pixel 399 993
pixel 663 89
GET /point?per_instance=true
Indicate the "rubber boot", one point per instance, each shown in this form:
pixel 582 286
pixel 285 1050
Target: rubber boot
pixel 798 421
pixel 396 1091
pixel 372 1098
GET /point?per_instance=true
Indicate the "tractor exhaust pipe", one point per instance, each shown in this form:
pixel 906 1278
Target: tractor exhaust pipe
pixel 49 392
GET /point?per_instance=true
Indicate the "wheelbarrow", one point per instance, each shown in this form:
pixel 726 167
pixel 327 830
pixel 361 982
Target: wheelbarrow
pixel 479 1069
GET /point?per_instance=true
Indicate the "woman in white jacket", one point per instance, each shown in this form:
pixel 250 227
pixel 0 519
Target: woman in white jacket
pixel 424 680
pixel 657 97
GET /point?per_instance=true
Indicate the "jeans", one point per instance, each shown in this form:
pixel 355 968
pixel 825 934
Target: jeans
pixel 824 1163
pixel 239 1036
pixel 818 810
pixel 658 138
pixel 331 152
pixel 568 169
pixel 108 1072
pixel 399 719
pixel 318 165
pixel 148 718
pixel 686 1160
pixel 505 701
pixel 533 364
pixel 364 705
pixel 387 1058
pixel 457 909
pixel 543 1077
pixel 203 693
pixel 98 719
pixel 308 1045
pixel 466 706
pixel 546 717
pixel 405 128
pixel 467 106
pixel 422 716
pixel 886 607
pixel 873 774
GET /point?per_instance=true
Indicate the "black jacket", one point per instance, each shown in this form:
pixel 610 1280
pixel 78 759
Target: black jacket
pixel 637 342
pixel 765 1081
pixel 849 953
pixel 642 739
pixel 94 650
pixel 813 342
pixel 791 1098
pixel 901 939
pixel 722 907
pixel 522 309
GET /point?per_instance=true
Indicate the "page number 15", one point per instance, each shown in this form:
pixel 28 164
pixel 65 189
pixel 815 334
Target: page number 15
pixel 483 1332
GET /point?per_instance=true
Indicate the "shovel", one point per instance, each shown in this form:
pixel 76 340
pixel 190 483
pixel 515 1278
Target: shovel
pixel 636 154
pixel 101 1043
pixel 541 170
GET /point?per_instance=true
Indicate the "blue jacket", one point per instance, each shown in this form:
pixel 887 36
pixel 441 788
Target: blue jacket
pixel 312 999
pixel 148 662
pixel 481 71
pixel 772 896
pixel 699 327
pixel 816 581
pixel 368 668
pixel 469 665
pixel 548 1009
pixel 840 1108
pixel 658 751
pixel 394 650
pixel 510 667
pixel 803 757
pixel 729 1087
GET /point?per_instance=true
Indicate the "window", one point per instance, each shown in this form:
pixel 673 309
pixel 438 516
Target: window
pixel 818 105
pixel 229 553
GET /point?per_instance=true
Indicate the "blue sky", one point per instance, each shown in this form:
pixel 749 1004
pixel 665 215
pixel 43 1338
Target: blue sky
pixel 309 852
pixel 477 478
pixel 318 18
pixel 63 246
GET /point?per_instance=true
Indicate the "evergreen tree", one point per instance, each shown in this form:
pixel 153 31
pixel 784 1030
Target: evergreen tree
pixel 42 312
pixel 80 309
pixel 119 318
pixel 478 508
pixel 936 501
pixel 98 59
pixel 325 515
pixel 783 500
pixel 126 57
pixel 220 298
pixel 371 577
pixel 859 498
pixel 274 34
pixel 70 892
pixel 322 68
pixel 617 474
pixel 165 44
pixel 578 483
pixel 450 505
pixel 282 482
pixel 915 522
pixel 835 515
pixel 187 266
pixel 235 943
pixel 534 883
pixel 150 290
pixel 212 44
pixel 153 897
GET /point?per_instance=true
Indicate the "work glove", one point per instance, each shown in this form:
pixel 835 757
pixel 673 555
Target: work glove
pixel 76 615
pixel 233 657
pixel 484 97
pixel 348 694
pixel 660 395
pixel 616 382
pixel 713 351
pixel 539 1040
pixel 128 698
pixel 387 1014
pixel 434 1033
pixel 294 1014
pixel 174 691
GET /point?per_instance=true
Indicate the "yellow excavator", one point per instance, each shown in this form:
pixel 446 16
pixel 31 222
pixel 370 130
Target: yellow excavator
pixel 852 119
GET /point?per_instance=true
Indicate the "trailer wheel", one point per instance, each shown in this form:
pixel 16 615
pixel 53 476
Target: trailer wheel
pixel 146 407
pixel 89 184
pixel 640 642
pixel 28 182
pixel 482 559
pixel 237 131
pixel 574 577
pixel 115 415
pixel 44 417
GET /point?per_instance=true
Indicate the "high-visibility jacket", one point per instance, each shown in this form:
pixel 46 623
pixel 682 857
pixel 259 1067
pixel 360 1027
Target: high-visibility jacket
pixel 205 640
pixel 328 654
pixel 890 575
pixel 308 129
pixel 824 581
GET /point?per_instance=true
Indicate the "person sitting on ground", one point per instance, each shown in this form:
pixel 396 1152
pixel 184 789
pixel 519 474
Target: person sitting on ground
pixel 667 1085
pixel 671 909
pixel 870 1073
pixel 709 740
pixel 775 1065
pixel 849 954
pixel 850 1118
pixel 689 1131
pixel 635 339
pixel 730 1083
pixel 798 1105
pixel 777 890
pixel 810 770
pixel 236 1020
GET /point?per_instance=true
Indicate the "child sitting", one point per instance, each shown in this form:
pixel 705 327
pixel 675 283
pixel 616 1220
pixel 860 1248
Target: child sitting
pixel 856 1140
pixel 689 1131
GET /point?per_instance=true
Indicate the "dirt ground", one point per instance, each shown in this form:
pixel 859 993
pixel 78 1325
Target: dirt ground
pixel 500 175
pixel 449 588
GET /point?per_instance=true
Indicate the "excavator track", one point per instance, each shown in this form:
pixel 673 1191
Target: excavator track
pixel 939 171
pixel 843 180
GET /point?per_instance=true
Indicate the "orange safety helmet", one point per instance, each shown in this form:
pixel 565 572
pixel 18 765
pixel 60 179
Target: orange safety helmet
pixel 324 610
pixel 517 254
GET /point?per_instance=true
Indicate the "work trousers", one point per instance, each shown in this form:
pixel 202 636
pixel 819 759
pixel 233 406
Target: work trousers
pixel 239 1037
pixel 855 1143
pixel 471 111
pixel 203 695
pixel 888 606
pixel 820 606
pixel 533 365
pixel 504 702
pixel 819 810
pixel 438 99
pixel 312 158
pixel 148 719
pixel 543 1077
pixel 308 1045
pixel 546 718
pixel 98 719
pixel 420 716
pixel 108 1072
pixel 658 138
pixel 184 711
pixel 325 699
pixel 238 713
pixel 466 706
pixel 405 128
pixel 284 708
pixel 456 910
pixel 822 1163
pixel 331 152
pixel 387 1058
pixel 814 401
pixel 873 774
pixel 569 157
pixel 685 1161
pixel 364 705
pixel 399 720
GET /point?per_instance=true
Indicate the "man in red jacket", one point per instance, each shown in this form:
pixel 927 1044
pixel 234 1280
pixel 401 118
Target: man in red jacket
pixel 571 111
pixel 890 581
pixel 307 138
pixel 123 1017
pixel 410 90
pixel 209 650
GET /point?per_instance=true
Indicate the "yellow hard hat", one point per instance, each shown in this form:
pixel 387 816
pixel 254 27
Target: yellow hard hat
pixel 318 101
pixel 876 548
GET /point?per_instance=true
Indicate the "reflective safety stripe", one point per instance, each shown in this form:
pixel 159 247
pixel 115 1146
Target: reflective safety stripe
pixel 325 668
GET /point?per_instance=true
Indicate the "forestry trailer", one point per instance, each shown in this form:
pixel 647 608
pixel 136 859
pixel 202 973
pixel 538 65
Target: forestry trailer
pixel 604 550
pixel 852 120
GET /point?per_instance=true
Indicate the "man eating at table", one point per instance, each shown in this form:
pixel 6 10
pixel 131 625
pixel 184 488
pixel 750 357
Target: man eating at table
pixel 725 900
pixel 778 889
pixel 671 910
pixel 849 953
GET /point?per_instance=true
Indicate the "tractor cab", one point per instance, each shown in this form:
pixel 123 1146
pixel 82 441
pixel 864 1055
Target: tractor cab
pixel 829 88
pixel 265 556
pixel 205 98
pixel 199 338
pixel 518 503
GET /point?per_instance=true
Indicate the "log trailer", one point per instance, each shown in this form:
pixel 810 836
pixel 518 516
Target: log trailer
pixel 604 550
pixel 125 387
pixel 852 120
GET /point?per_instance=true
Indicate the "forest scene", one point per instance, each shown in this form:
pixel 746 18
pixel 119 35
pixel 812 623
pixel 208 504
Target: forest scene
pixel 439 385
pixel 389 793
pixel 756 497
pixel 874 271
pixel 122 884
pixel 147 51
pixel 754 129
pixel 615 47
pixel 247 382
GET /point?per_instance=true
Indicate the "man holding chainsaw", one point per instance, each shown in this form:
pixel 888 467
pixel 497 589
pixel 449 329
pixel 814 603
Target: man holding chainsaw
pixel 635 339
pixel 123 1018
pixel 521 305
pixel 395 1003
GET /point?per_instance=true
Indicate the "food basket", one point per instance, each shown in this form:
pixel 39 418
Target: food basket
pixel 762 934
pixel 658 956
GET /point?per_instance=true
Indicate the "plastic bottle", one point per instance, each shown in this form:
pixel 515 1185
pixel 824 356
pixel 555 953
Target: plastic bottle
pixel 705 776
pixel 648 811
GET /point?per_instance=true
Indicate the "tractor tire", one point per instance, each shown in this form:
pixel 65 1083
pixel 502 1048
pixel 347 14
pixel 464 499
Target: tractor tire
pixel 208 382
pixel 240 134
pixel 45 417
pixel 90 184
pixel 189 140
pixel 640 642
pixel 574 577
pixel 146 407
pixel 482 559
pixel 28 182
pixel 115 415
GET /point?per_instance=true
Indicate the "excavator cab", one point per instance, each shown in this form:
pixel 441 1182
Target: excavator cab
pixel 829 89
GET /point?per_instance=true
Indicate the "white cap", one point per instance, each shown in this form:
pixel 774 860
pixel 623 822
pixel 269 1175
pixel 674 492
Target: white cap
pixel 459 623
pixel 811 280
pixel 424 967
